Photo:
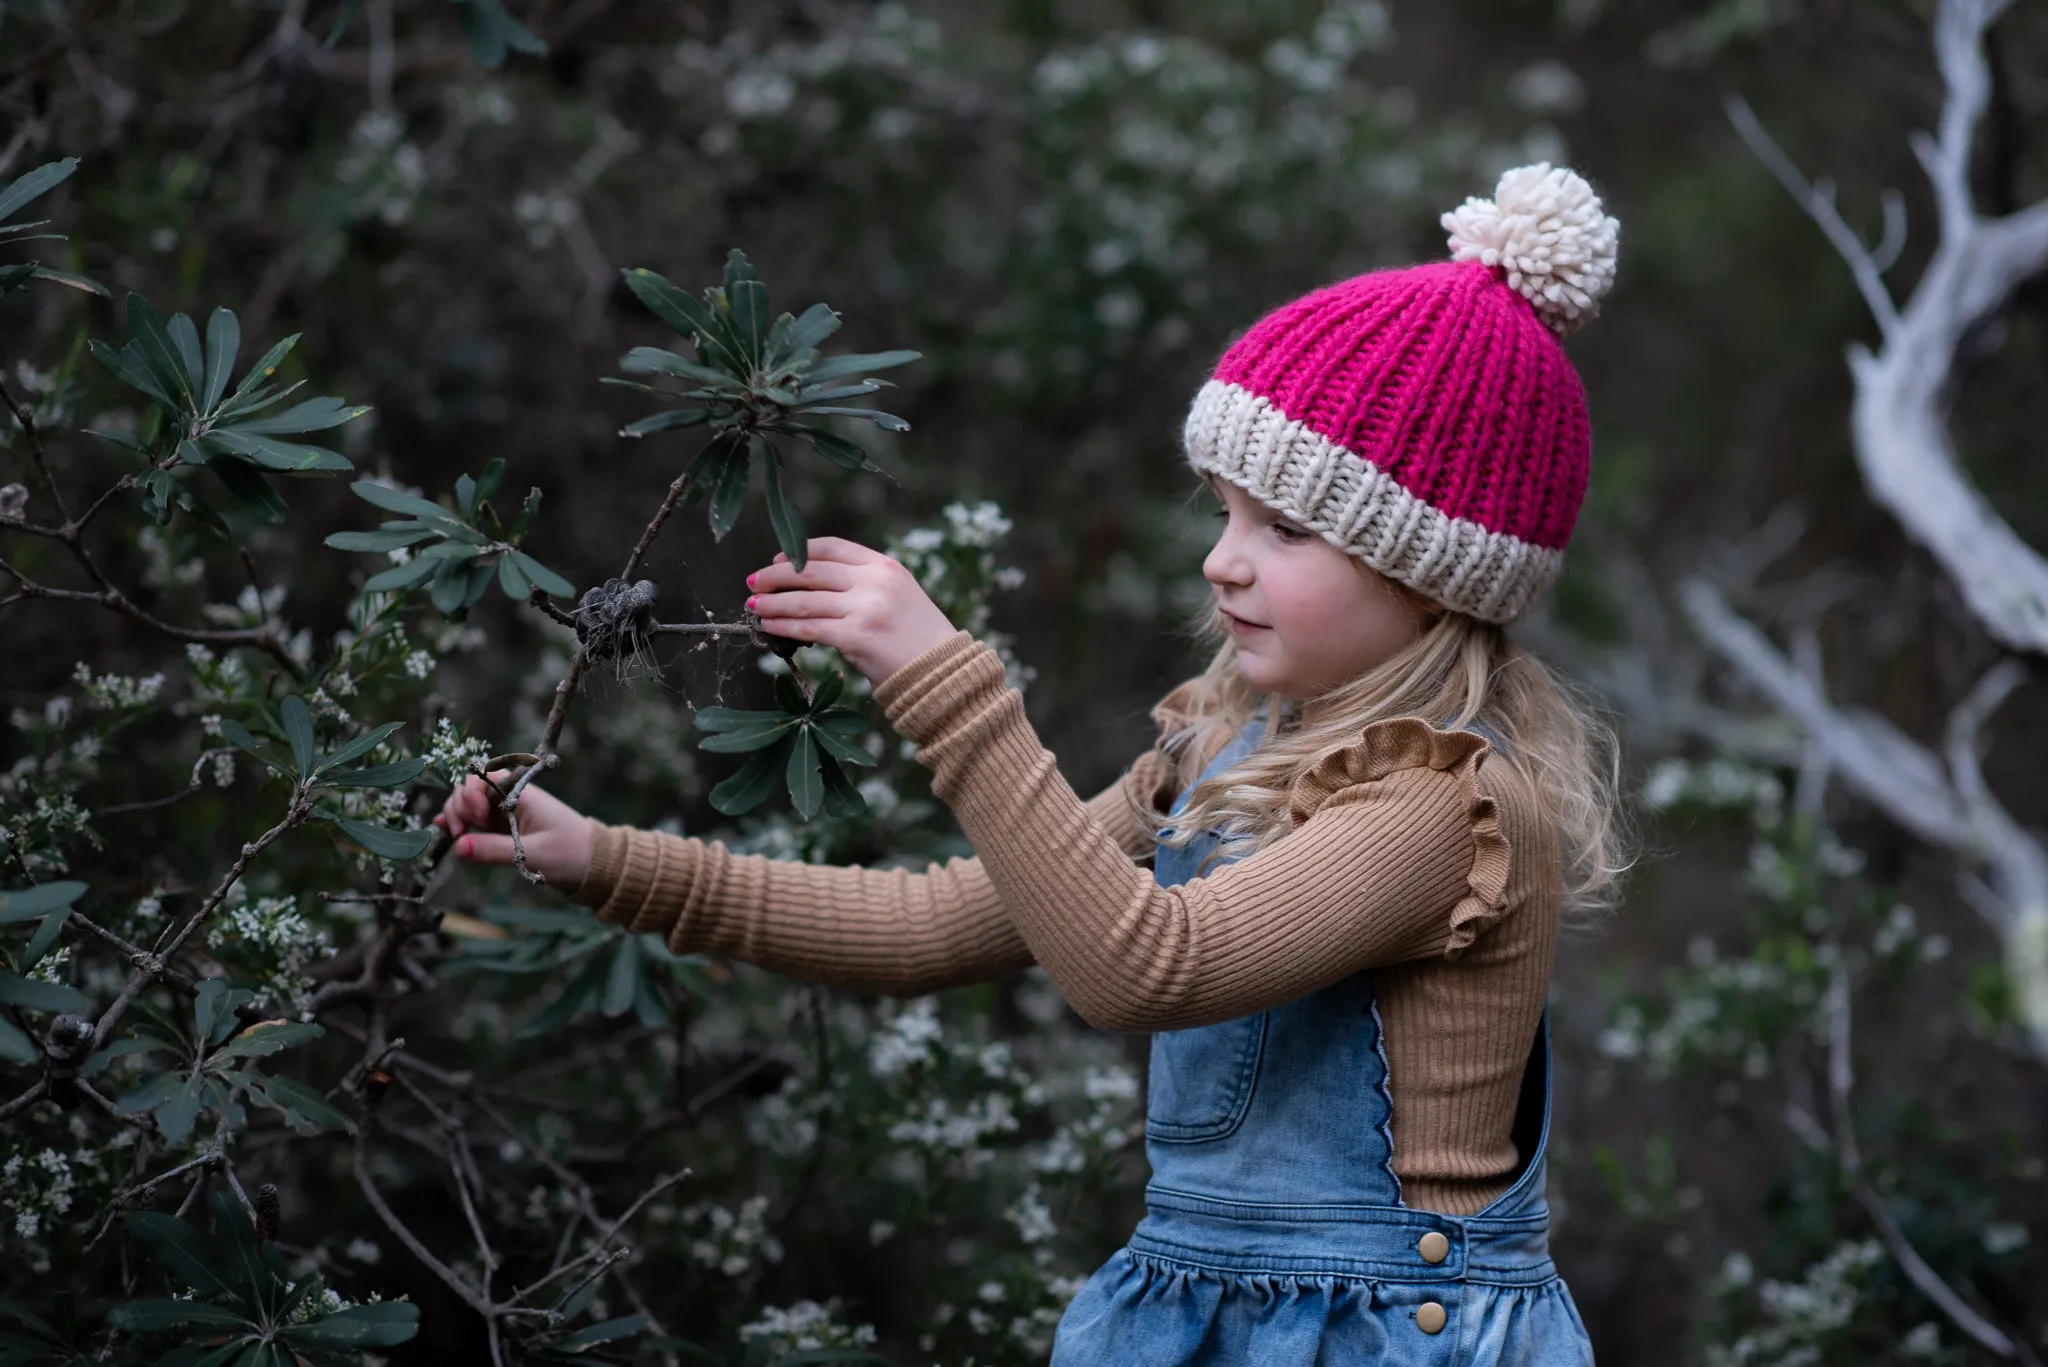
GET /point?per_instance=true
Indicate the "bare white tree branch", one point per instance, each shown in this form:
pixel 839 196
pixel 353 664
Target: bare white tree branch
pixel 1943 800
pixel 1900 418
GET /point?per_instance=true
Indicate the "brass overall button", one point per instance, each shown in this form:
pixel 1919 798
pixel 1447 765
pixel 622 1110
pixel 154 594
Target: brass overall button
pixel 1434 1247
pixel 1430 1317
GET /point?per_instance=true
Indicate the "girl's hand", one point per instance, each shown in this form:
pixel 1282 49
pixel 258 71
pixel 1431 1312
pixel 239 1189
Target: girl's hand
pixel 863 603
pixel 556 837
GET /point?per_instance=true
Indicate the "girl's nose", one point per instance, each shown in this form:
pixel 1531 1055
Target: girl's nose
pixel 1226 562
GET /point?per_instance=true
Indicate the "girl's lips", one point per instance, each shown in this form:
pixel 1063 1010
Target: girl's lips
pixel 1239 624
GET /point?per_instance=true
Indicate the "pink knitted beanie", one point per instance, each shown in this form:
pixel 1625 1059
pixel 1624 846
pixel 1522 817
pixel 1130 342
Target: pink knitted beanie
pixel 1427 420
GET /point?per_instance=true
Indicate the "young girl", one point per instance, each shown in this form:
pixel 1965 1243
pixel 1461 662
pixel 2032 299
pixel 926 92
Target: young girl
pixel 1363 821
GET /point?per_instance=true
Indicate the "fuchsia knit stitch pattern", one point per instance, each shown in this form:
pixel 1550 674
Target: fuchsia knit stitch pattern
pixel 1424 419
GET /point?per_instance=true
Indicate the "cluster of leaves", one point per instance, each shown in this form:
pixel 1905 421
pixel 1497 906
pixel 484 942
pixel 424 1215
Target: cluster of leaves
pixel 17 195
pixel 241 1310
pixel 804 743
pixel 753 380
pixel 616 973
pixel 212 1067
pixel 195 422
pixel 301 762
pixel 470 546
pixel 490 28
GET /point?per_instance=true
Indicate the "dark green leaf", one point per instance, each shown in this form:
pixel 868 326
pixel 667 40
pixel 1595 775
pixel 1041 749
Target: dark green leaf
pixel 810 330
pixel 382 1325
pixel 465 495
pixel 648 360
pixel 223 344
pixel 836 392
pixel 155 350
pixel 733 718
pixel 314 415
pixel 180 1250
pixel 731 491
pixel 491 478
pixel 379 540
pixel 682 312
pixel 452 550
pixel 842 799
pixel 273 454
pixel 298 732
pixel 76 282
pixel 266 366
pixel 249 488
pixel 789 695
pixel 580 992
pixel 33 994
pixel 211 1006
pixel 382 840
pixel 663 422
pixel 386 497
pixel 377 775
pixel 754 737
pixel 33 184
pixel 888 422
pixel 26 904
pixel 304 1109
pixel 175 1117
pixel 527 510
pixel 607 1331
pixel 806 789
pixel 544 579
pixel 833 367
pixel 120 1048
pixel 267 1037
pixel 154 1316
pixel 748 788
pixel 840 748
pixel 130 371
pixel 622 979
pixel 403 576
pixel 45 936
pixel 749 316
pixel 515 584
pixel 361 745
pixel 783 515
pixel 236 1251
pixel 185 337
pixel 16 1046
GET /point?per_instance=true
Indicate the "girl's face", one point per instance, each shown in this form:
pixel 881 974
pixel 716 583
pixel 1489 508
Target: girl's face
pixel 1306 616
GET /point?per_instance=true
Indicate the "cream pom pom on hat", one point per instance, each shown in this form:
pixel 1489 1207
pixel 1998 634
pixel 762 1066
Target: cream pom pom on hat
pixel 1427 419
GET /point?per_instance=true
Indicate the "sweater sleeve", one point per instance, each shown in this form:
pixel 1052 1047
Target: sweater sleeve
pixel 1397 853
pixel 895 931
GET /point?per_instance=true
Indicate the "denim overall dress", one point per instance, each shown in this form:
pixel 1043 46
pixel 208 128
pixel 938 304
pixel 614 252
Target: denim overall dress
pixel 1274 1233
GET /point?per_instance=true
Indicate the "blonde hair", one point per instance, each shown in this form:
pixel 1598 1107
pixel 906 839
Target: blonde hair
pixel 1458 671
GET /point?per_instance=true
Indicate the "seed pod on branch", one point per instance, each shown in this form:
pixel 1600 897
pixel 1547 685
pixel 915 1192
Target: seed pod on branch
pixel 269 1211
pixel 613 622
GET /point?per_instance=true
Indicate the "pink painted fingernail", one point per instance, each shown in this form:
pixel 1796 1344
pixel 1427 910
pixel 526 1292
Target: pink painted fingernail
pixel 750 605
pixel 750 581
pixel 468 846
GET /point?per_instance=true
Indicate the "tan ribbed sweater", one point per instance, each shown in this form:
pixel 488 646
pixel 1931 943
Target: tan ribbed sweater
pixel 1409 856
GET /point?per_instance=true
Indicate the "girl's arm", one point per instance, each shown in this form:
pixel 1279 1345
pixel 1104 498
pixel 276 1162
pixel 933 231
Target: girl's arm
pixel 881 930
pixel 1399 852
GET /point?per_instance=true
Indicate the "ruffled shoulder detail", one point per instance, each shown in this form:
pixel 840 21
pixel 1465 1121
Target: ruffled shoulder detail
pixel 1405 750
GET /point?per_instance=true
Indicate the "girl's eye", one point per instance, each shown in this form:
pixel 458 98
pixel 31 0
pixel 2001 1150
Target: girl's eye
pixel 1288 533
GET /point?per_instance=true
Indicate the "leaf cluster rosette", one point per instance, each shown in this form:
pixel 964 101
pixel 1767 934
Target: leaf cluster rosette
pixel 290 750
pixel 755 377
pixel 241 1307
pixel 456 554
pixel 196 422
pixel 804 743
pixel 16 195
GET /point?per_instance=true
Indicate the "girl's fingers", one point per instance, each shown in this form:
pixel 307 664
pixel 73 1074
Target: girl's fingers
pixel 799 603
pixel 488 849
